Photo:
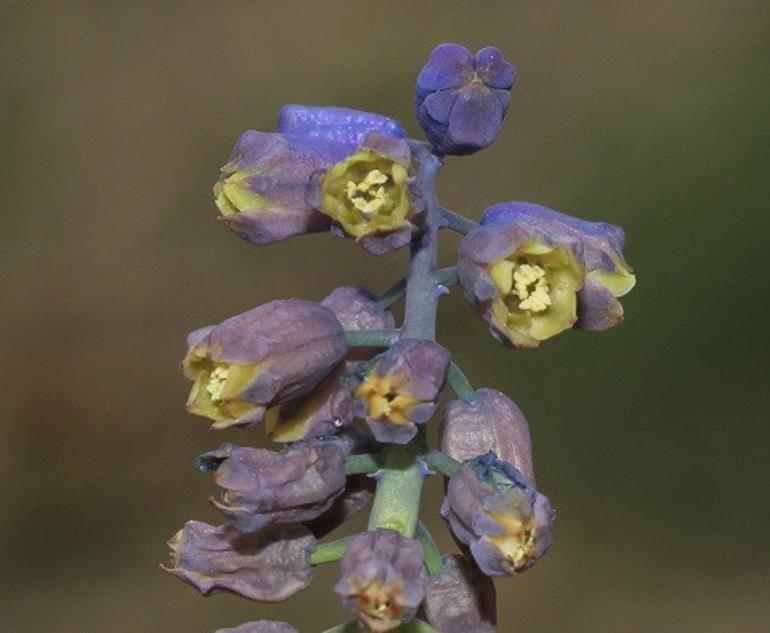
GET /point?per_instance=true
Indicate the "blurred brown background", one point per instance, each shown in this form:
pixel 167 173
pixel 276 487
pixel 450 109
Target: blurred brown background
pixel 651 439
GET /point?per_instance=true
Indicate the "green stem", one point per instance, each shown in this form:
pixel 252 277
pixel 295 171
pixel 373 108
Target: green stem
pixel 397 499
pixel 440 463
pixel 458 222
pixel 364 464
pixel 432 556
pixel 447 277
pixel 329 552
pixel 392 294
pixel 370 338
pixel 459 382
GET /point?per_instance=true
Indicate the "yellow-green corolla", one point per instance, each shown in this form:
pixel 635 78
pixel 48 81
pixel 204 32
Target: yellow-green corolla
pixel 367 194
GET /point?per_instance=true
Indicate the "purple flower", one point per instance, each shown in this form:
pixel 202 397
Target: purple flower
pixel 358 492
pixel 261 193
pixel 340 125
pixel 327 408
pixel 523 282
pixel 270 565
pixel 485 421
pixel 461 98
pixel 494 509
pixel 460 599
pixel 403 389
pixel 371 195
pixel 608 276
pixel 261 626
pixel 260 358
pixel 297 484
pixel 382 579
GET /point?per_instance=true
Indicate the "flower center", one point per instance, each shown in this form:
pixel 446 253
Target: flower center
pixel 376 603
pixel 531 287
pixel 518 542
pixel 368 195
pixel 216 383
pixel 384 399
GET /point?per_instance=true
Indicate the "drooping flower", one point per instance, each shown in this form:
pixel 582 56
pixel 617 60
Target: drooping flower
pixel 608 276
pixel 270 565
pixel 327 408
pixel 268 355
pixel 522 281
pixel 402 389
pixel 460 599
pixel 461 98
pixel 261 626
pixel 371 194
pixel 296 484
pixel 359 491
pixel 485 421
pixel 494 509
pixel 382 579
pixel 261 193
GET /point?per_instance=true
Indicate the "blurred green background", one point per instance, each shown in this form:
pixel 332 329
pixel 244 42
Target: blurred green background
pixel 651 439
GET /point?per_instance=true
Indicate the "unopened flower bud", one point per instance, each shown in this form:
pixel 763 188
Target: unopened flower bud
pixel 370 194
pixel 260 358
pixel 494 509
pixel 485 421
pixel 297 484
pixel 262 191
pixel 261 626
pixel 461 98
pixel 607 275
pixel 383 580
pixel 460 599
pixel 340 125
pixel 402 389
pixel 270 565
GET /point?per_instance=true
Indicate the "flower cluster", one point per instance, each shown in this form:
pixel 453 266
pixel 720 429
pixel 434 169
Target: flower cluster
pixel 347 395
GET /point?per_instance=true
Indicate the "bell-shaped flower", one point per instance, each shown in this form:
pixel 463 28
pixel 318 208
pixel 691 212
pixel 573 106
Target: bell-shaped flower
pixel 327 408
pixel 485 421
pixel 382 579
pixel 607 277
pixel 402 390
pixel 371 194
pixel 462 98
pixel 299 483
pixel 460 599
pixel 268 355
pixel 523 282
pixel 495 510
pixel 340 125
pixel 261 193
pixel 270 565
pixel 261 626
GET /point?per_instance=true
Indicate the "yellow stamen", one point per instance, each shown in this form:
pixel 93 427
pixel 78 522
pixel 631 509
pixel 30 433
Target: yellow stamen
pixel 366 195
pixel 385 398
pixel 217 382
pixel 518 543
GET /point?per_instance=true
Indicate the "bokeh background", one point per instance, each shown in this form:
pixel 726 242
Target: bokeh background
pixel 651 439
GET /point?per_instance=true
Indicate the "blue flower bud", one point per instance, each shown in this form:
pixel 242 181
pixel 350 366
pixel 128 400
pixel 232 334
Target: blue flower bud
pixel 297 484
pixel 268 355
pixel 382 581
pixel 485 421
pixel 262 191
pixel 270 565
pixel 494 509
pixel 403 389
pixel 341 125
pixel 460 599
pixel 461 98
pixel 608 276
